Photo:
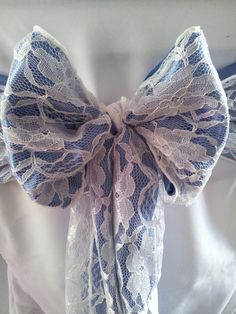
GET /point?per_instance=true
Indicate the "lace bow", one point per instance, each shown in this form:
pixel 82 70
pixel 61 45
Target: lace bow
pixel 113 165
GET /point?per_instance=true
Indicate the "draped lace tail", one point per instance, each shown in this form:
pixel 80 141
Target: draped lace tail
pixel 81 253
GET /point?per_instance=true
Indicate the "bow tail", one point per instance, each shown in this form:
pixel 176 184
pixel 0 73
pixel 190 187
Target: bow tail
pixel 139 223
pixel 85 291
pixel 115 239
pixel 91 274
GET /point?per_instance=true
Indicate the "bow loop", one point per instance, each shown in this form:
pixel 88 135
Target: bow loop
pixel 52 125
pixel 181 111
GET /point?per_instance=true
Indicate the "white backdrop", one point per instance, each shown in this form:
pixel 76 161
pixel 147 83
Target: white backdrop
pixel 113 45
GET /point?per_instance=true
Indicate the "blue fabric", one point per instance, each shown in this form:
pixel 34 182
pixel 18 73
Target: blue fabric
pixel 227 71
pixel 3 79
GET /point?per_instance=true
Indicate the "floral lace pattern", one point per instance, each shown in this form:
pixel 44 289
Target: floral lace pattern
pixel 229 85
pixel 115 165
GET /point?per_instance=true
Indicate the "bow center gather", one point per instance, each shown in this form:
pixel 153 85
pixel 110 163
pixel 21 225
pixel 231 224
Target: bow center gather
pixel 116 113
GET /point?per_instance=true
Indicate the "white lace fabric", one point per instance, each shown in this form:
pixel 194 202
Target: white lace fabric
pixel 113 166
pixel 229 85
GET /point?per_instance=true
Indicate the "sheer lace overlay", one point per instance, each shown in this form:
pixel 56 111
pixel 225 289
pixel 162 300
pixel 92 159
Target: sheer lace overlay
pixel 115 165
pixel 229 85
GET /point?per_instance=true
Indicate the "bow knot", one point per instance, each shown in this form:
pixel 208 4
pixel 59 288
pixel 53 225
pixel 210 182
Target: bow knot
pixel 116 112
